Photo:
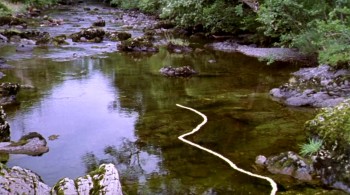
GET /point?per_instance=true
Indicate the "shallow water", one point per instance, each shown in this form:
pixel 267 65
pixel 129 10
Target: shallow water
pixel 117 108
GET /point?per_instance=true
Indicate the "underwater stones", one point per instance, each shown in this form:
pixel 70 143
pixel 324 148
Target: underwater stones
pixel 317 87
pixel 139 44
pixel 104 180
pixel 184 71
pixel 174 48
pixel 21 181
pixel 289 163
pixel 89 34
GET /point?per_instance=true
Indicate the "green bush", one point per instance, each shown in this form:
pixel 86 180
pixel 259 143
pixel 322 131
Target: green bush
pixel 315 27
pixel 4 10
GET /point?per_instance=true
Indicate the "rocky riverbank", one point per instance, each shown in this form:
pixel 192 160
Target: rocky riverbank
pixel 320 86
pixel 16 180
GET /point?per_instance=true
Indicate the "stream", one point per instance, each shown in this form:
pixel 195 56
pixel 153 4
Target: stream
pixel 108 106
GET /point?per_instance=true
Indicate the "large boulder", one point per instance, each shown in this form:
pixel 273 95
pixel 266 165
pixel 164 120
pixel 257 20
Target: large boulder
pixel 31 144
pixel 332 125
pixel 104 180
pixel 21 181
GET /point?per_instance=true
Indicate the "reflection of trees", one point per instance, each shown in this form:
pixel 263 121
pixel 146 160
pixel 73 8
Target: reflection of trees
pixel 130 159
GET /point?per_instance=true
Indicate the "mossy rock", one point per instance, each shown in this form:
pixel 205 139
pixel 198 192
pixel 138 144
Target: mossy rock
pixel 332 125
pixel 10 20
pixel 139 44
pixel 60 40
pixel 90 34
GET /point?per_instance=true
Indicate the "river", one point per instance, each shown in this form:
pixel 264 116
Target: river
pixel 107 106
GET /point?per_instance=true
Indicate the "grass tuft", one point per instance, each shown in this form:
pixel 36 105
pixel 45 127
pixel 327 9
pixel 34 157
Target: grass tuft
pixel 310 148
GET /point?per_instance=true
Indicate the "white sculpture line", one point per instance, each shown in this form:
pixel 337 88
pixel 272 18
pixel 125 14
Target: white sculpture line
pixel 234 166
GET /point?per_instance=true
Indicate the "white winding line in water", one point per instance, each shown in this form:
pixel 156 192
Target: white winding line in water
pixel 234 166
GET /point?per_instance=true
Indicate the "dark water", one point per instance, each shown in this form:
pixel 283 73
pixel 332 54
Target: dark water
pixel 117 108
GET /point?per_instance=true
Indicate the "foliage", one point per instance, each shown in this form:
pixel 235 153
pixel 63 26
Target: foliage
pixel 315 27
pixel 4 10
pixel 151 6
pixel 332 125
pixel 310 148
pixel 130 4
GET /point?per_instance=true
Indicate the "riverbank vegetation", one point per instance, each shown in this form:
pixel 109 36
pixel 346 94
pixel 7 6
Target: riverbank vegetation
pixel 315 27
pixel 15 6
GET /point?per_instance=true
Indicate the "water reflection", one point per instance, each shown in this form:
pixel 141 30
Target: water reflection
pixel 119 109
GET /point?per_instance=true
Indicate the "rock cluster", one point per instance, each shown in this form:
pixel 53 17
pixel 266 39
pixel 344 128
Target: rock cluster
pixel 104 180
pixel 184 71
pixel 89 35
pixel 288 163
pixel 139 44
pixel 317 87
pixel 21 181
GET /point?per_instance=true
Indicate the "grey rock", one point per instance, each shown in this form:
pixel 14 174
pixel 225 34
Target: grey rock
pixel 289 163
pixel 21 181
pixel 260 160
pixel 32 144
pixel 105 180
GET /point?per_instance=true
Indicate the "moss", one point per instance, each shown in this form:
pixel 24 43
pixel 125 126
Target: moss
pixel 96 177
pixel 332 125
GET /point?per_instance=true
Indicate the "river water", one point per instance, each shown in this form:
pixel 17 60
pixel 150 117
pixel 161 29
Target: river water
pixel 116 107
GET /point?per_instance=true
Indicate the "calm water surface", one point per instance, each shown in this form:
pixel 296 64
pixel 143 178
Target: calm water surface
pixel 117 108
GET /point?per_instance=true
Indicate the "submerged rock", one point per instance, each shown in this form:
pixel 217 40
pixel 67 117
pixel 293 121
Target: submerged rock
pixel 317 87
pixel 104 180
pixel 32 144
pixel 289 163
pixel 184 71
pixel 173 48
